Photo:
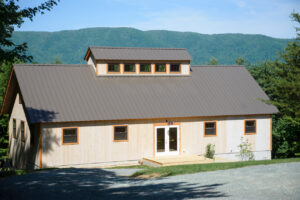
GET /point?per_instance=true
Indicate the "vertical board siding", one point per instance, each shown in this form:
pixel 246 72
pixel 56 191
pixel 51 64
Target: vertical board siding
pixel 96 140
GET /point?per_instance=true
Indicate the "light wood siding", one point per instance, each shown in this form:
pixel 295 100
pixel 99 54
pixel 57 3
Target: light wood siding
pixel 96 144
pixel 23 153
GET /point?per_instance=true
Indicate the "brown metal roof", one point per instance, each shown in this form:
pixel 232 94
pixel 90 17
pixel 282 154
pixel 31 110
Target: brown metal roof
pixel 62 93
pixel 136 53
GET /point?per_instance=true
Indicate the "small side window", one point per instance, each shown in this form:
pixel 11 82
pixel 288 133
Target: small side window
pixel 120 133
pixel 23 131
pixel 250 126
pixel 70 136
pixel 14 128
pixel 210 128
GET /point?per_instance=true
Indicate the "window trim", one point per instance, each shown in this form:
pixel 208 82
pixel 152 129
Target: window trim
pixel 180 68
pixel 15 136
pixel 117 72
pixel 62 135
pixel 23 139
pixel 252 133
pixel 165 72
pixel 204 135
pixel 140 72
pixel 114 133
pixel 124 72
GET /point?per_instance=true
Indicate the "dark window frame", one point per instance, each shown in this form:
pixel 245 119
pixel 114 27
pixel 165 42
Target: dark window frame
pixel 204 129
pixel 62 136
pixel 247 132
pixel 14 125
pixel 145 72
pixel 113 72
pixel 179 65
pixel 156 65
pixel 23 130
pixel 120 140
pixel 128 72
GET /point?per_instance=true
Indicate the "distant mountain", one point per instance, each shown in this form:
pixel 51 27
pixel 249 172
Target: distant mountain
pixel 70 46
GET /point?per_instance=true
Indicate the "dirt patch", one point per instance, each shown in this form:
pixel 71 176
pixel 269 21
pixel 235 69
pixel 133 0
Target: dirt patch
pixel 148 176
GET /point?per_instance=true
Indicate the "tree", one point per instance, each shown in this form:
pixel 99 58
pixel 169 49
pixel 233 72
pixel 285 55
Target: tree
pixel 213 61
pixel 241 61
pixel 11 15
pixel 56 61
pixel 280 79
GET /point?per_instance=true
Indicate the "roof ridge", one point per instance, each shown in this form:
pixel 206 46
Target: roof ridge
pixel 217 65
pixel 52 65
pixel 144 48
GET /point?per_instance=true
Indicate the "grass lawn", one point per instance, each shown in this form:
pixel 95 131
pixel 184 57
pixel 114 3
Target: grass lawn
pixel 188 169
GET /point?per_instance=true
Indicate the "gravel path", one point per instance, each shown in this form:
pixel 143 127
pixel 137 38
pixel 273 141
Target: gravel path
pixel 278 181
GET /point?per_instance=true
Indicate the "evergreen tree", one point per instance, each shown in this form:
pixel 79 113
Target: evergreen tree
pixel 213 61
pixel 280 79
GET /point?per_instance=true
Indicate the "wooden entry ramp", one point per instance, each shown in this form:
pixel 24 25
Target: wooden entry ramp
pixel 176 160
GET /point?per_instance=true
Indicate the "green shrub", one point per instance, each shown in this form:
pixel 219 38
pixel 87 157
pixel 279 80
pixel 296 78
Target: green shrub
pixel 210 151
pixel 245 152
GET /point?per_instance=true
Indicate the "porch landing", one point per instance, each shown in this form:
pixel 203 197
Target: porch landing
pixel 176 160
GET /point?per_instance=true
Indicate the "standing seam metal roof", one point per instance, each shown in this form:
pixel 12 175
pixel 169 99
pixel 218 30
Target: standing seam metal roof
pixel 62 93
pixel 136 53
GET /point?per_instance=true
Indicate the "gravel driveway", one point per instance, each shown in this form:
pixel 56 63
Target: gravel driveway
pixel 278 181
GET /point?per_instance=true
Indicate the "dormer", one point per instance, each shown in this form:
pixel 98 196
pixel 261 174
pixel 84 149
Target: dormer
pixel 131 61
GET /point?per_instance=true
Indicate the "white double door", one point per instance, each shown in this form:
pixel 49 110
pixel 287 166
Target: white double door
pixel 166 140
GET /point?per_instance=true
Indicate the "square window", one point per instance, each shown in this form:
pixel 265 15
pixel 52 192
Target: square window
pixel 250 126
pixel 175 68
pixel 113 67
pixel 210 128
pixel 145 67
pixel 160 67
pixel 70 136
pixel 120 133
pixel 129 67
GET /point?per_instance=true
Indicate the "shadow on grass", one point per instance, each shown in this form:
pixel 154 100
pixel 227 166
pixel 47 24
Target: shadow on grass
pixel 98 184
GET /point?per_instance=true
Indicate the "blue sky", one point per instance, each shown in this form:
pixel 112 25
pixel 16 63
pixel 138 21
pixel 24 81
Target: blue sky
pixel 268 17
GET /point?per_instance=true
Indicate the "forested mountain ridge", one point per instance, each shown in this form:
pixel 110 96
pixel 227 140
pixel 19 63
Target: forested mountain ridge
pixel 70 46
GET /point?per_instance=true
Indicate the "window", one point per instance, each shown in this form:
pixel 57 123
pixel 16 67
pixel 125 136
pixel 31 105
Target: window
pixel 23 131
pixel 129 67
pixel 20 99
pixel 175 68
pixel 160 67
pixel 145 68
pixel 70 136
pixel 120 133
pixel 14 128
pixel 250 126
pixel 113 68
pixel 210 128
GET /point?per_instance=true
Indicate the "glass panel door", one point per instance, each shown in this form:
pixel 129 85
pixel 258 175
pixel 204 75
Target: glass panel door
pixel 160 139
pixel 173 139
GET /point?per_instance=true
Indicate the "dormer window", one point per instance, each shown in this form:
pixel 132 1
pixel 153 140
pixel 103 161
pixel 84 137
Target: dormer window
pixel 145 68
pixel 160 68
pixel 137 61
pixel 175 68
pixel 129 68
pixel 113 68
